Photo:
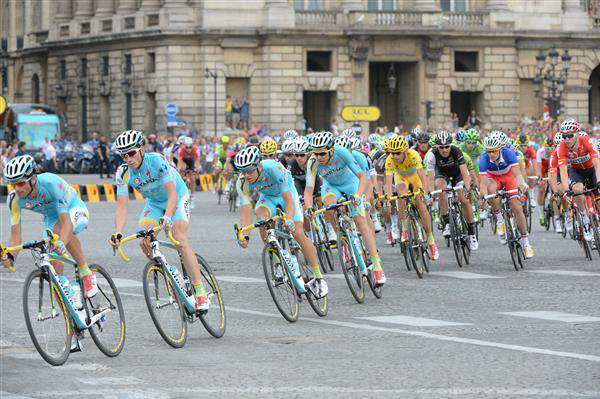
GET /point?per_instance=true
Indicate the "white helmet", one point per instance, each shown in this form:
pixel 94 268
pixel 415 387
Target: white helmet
pixel 247 158
pixel 19 168
pixel 443 138
pixel 288 146
pixel 321 140
pixel 188 142
pixel 301 147
pixel 558 138
pixel 582 133
pixel 350 133
pixel 373 138
pixel 343 140
pixel 181 139
pixel 290 134
pixel 570 126
pixel 128 141
pixel 493 141
pixel 355 143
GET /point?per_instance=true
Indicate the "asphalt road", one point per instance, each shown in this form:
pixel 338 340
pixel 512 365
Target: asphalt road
pixel 483 331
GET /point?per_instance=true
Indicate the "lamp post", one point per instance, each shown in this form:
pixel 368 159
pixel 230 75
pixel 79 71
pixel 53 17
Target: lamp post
pixel 552 78
pixel 392 80
pixel 213 74
pixel 3 69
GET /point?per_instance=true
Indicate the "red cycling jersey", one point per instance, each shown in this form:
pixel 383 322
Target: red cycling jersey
pixel 190 156
pixel 580 157
pixel 529 154
pixel 543 157
pixel 553 164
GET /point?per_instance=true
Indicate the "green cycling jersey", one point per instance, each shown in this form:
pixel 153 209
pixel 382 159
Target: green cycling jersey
pixel 474 154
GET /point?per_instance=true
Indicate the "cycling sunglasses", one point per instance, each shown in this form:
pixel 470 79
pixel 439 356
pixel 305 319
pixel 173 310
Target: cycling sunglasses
pixel 22 183
pixel 443 147
pixel 568 135
pixel 249 171
pixel 322 154
pixel 493 151
pixel 301 155
pixel 129 154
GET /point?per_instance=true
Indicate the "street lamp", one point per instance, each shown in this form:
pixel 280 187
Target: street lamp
pixel 213 74
pixel 553 79
pixel 3 69
pixel 392 79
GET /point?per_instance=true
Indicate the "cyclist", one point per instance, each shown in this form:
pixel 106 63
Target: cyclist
pixel 276 189
pixel 542 163
pixel 220 163
pixel 64 213
pixel 460 136
pixel 579 167
pixel 422 146
pixel 341 176
pixel 472 147
pixel 290 134
pixel 404 171
pixel 349 133
pixel 173 156
pixel 446 164
pixel 498 168
pixel 189 162
pixel 529 153
pixel 166 202
pixel 378 157
pixel 287 151
pixel 268 149
pixel 554 180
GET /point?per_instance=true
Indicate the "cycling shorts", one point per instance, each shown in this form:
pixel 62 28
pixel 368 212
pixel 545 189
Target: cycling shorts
pixel 585 176
pixel 507 181
pixel 79 214
pixel 343 190
pixel 190 165
pixel 412 182
pixel 153 211
pixel 272 202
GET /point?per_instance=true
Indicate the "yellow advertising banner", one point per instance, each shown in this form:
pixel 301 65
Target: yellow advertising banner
pixel 361 113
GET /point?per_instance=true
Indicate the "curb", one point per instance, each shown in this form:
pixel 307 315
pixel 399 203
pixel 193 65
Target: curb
pixel 107 192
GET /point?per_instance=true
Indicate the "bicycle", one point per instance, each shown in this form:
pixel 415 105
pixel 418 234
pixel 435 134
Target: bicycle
pixel 232 193
pixel 221 184
pixel 415 251
pixel 284 272
pixel 578 225
pixel 319 238
pixel 547 208
pixel 52 309
pixel 511 233
pixel 458 226
pixel 352 253
pixel 169 294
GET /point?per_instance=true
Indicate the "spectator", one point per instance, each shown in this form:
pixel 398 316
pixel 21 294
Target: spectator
pixel 152 144
pixel 168 147
pixel 474 120
pixel 50 157
pixel 333 128
pixel 229 112
pixel 244 114
pixel 21 149
pixel 93 141
pixel 103 156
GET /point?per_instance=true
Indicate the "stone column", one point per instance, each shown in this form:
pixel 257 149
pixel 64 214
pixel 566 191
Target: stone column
pixel 84 9
pixel 105 8
pixel 425 5
pixel 64 10
pixel 150 5
pixel 497 5
pixel 126 7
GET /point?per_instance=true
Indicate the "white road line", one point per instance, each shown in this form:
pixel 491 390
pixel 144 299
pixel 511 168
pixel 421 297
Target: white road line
pixel 15 279
pixel 412 321
pixel 8 395
pixel 127 380
pixel 463 275
pixel 565 273
pixel 554 316
pixel 238 279
pixel 438 337
pixel 127 283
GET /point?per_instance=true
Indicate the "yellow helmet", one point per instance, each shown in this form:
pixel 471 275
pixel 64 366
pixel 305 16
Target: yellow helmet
pixel 268 147
pixel 398 144
pixel 522 139
pixel 240 140
pixel 225 139
pixel 386 145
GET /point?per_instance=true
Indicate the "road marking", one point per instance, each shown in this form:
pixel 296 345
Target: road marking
pixel 84 367
pixel 6 344
pixel 16 280
pixel 126 283
pixel 464 275
pixel 9 395
pixel 555 316
pixel 338 276
pixel 127 380
pixel 238 279
pixel 565 273
pixel 412 321
pixel 438 337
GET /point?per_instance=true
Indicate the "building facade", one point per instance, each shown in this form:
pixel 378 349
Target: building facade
pixel 110 65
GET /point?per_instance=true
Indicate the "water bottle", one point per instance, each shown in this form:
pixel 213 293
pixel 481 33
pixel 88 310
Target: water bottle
pixel 296 268
pixel 189 288
pixel 176 275
pixel 76 289
pixel 291 262
pixel 71 295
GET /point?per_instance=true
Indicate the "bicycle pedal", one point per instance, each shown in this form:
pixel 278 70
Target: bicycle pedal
pixel 76 346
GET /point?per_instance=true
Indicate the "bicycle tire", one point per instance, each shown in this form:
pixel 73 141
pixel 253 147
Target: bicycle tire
pixel 350 268
pixel 319 305
pixel 377 291
pixel 291 311
pixel 528 215
pixel 596 232
pixel 456 240
pixel 320 247
pixel 511 240
pixel 98 331
pixel 155 300
pixel 63 347
pixel 215 326
pixel 403 249
pixel 414 248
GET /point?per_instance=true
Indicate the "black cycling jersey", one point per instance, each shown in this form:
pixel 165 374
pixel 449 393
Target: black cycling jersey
pixel 378 160
pixel 299 176
pixel 281 159
pixel 446 167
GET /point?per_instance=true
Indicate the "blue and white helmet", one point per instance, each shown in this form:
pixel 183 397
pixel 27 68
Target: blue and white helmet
pixel 301 147
pixel 19 168
pixel 129 140
pixel 247 158
pixel 373 138
pixel 355 143
pixel 288 146
pixel 342 141
pixel 350 133
pixel 290 134
pixel 321 140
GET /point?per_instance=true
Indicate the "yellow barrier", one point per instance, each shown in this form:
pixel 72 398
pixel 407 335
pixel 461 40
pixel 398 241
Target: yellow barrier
pixel 76 187
pixel 137 195
pixel 109 192
pixel 203 182
pixel 210 182
pixel 92 193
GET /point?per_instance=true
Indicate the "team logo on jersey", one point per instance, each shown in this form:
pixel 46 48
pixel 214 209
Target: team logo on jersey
pixel 147 212
pixel 28 204
pixel 148 173
pixel 44 196
pixel 136 180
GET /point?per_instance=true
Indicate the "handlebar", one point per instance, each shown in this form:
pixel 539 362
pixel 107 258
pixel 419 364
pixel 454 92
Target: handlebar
pixel 30 244
pixel 239 231
pixel 333 206
pixel 140 234
pixel 501 193
pixel 411 194
pixel 448 190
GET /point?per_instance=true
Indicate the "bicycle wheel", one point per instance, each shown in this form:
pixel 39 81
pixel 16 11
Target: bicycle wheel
pixel 280 284
pixel 377 291
pixel 456 238
pixel 405 254
pixel 351 270
pixel 214 319
pixel 511 240
pixel 415 249
pixel 320 247
pixel 596 232
pixel 48 324
pixel 319 305
pixel 528 212
pixel 108 332
pixel 220 188
pixel 164 305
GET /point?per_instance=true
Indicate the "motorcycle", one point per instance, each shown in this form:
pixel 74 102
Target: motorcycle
pixel 83 160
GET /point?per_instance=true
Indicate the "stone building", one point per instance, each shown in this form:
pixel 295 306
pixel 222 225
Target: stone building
pixel 110 65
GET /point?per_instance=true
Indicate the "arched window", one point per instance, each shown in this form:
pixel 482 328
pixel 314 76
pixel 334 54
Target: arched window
pixel 35 88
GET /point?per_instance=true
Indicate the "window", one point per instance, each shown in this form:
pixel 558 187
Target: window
pixel 454 5
pixel 83 68
pixel 62 69
pixel 107 25
pixel 150 62
pixel 466 61
pixel 129 23
pixel 128 66
pixel 64 30
pixel 318 61
pixel 304 5
pixel 105 66
pixel 85 28
pixel 153 20
pixel 380 5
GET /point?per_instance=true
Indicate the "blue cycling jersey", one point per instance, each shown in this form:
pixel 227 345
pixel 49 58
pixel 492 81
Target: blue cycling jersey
pixel 273 180
pixel 506 160
pixel 341 168
pixel 150 179
pixel 365 163
pixel 55 197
